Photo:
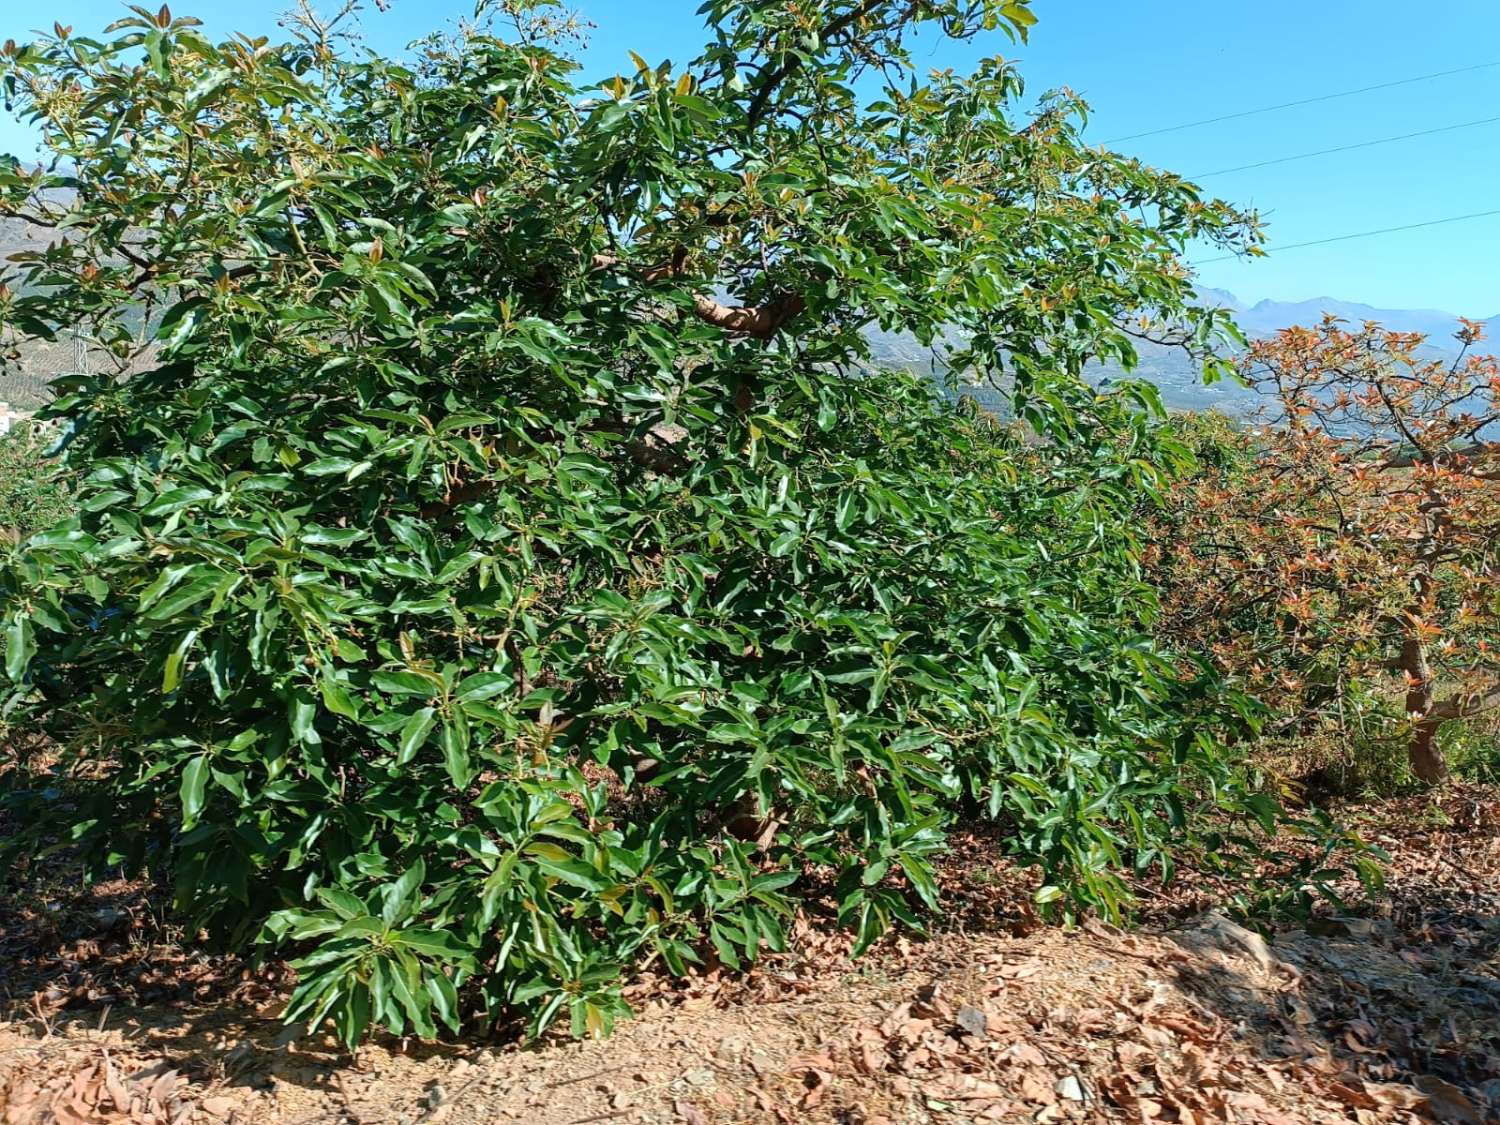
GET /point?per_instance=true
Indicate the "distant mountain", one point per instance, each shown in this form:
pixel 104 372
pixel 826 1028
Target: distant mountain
pixel 1265 317
pixel 1182 389
pixel 1179 378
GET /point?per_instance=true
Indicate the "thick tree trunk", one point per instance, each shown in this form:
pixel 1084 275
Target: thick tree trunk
pixel 1425 755
pixel 1423 752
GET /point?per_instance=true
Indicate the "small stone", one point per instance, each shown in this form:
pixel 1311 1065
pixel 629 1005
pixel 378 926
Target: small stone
pixel 435 1096
pixel 702 1077
pixel 972 1020
pixel 217 1107
pixel 1069 1088
pixel 109 917
pixel 287 1036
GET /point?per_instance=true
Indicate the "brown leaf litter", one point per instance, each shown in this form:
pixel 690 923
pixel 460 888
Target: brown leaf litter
pixel 1388 1015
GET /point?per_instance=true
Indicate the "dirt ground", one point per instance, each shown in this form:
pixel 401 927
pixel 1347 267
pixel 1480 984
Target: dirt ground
pixel 1391 1013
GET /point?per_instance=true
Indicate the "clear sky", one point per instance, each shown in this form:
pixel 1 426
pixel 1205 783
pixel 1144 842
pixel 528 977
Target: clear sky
pixel 1150 64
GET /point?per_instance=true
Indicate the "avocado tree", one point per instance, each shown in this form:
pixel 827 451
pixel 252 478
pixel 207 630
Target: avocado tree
pixel 506 566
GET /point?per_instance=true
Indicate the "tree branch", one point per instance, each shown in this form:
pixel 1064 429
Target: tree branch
pixel 1463 705
pixel 759 321
pixel 794 63
pixel 762 322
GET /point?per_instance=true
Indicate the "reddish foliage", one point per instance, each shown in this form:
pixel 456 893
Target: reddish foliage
pixel 1345 548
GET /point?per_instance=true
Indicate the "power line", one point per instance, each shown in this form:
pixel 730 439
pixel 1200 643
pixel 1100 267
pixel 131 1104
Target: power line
pixel 1345 148
pixel 1360 234
pixel 1306 101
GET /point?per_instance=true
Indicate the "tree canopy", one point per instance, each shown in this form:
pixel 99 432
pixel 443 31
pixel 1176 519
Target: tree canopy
pixel 507 567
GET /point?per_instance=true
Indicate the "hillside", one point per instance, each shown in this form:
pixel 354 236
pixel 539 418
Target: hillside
pixel 27 367
pixel 1175 373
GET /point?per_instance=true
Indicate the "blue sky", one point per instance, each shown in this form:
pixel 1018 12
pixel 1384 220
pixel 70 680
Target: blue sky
pixel 1150 64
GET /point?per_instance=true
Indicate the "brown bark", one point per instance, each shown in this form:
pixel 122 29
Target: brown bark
pixel 761 322
pixel 1423 752
pixel 1425 755
pixel 758 321
pixel 744 821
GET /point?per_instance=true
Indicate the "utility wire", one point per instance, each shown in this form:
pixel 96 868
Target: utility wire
pixel 1360 234
pixel 1345 148
pixel 1306 101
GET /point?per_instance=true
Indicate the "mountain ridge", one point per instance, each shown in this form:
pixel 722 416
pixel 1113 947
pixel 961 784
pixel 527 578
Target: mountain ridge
pixel 1175 373
pixel 1271 314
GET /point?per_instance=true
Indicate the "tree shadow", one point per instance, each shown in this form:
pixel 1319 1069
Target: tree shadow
pixel 1393 1009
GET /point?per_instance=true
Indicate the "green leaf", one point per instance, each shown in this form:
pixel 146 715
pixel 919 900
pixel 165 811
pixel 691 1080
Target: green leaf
pixel 172 668
pixel 201 92
pixel 193 789
pixel 186 596
pixel 336 697
pixel 414 734
pixel 444 999
pixel 400 897
pixel 177 500
pixel 302 717
pixel 455 755
pixel 182 320
pixel 848 510
pixel 784 544
pixel 20 646
pixel 328 467
pixel 483 685
pixel 406 683
pixel 574 873
pixel 433 943
pixel 346 905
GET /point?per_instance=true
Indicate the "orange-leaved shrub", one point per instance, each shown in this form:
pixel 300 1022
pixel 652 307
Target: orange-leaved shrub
pixel 1339 556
